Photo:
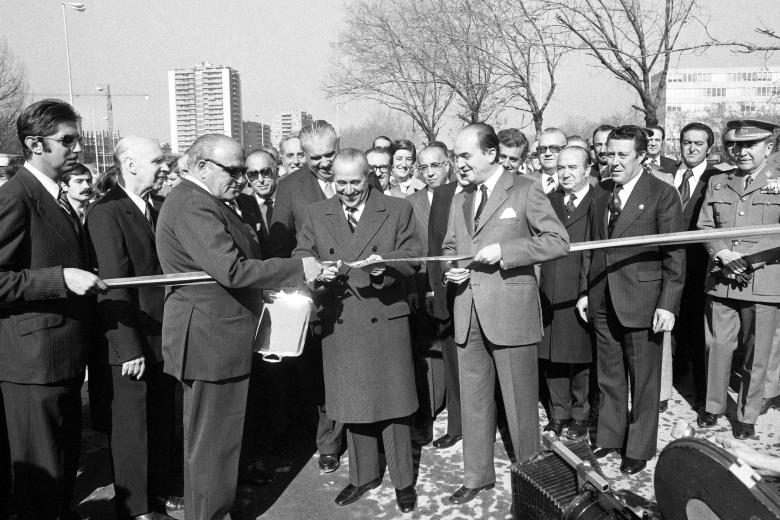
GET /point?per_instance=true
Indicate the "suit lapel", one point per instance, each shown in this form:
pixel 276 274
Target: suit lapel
pixel 698 192
pixel 582 208
pixel 374 215
pixel 336 223
pixel 634 206
pixel 53 215
pixel 556 201
pixel 496 199
pixel 468 210
pixel 133 212
pixel 601 201
pixel 758 182
pixel 311 185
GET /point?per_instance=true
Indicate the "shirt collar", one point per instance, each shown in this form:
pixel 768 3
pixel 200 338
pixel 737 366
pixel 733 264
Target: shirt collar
pixel 196 182
pixel 697 170
pixel 138 201
pixel 48 183
pixel 581 193
pixel 629 186
pixel 491 181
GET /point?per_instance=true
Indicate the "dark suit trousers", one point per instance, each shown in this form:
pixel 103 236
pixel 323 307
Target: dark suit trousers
pixel 729 323
pixel 627 356
pixel 330 433
pixel 568 384
pixel 449 354
pixel 688 334
pixel 365 463
pixel 44 435
pixel 213 424
pixel 480 362
pixel 142 438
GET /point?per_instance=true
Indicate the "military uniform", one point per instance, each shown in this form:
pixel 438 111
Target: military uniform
pixel 749 313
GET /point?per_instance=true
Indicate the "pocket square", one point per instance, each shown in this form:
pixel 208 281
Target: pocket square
pixel 508 213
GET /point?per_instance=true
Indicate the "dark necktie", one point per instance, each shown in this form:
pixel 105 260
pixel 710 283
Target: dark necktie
pixel 615 207
pixel 684 188
pixel 549 185
pixel 75 221
pixel 570 207
pixel 748 180
pixel 482 202
pixel 269 210
pixel 149 213
pixel 352 219
pixel 232 204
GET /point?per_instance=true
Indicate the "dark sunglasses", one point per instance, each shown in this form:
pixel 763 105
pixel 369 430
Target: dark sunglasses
pixel 543 149
pixel 265 173
pixel 235 172
pixel 68 141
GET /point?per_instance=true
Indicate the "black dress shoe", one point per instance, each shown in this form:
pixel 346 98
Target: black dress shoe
pixel 630 466
pixel 556 426
pixel 742 430
pixel 577 429
pixel 465 494
pixel 352 493
pixel 603 452
pixel 172 503
pixel 154 515
pixel 406 498
pixel 707 419
pixel 446 441
pixel 663 406
pixel 329 462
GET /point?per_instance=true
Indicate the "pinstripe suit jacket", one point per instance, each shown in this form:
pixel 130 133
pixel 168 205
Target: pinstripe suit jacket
pixel 422 211
pixel 208 330
pixel 640 279
pixel 518 217
pixel 295 193
pixel 437 229
pixel 44 329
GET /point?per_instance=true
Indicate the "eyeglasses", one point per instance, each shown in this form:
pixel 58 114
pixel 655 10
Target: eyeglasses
pixel 68 141
pixel 436 167
pixel 553 149
pixel 265 173
pixel 235 172
pixel 382 169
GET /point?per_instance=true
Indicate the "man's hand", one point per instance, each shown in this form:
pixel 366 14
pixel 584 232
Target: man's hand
pixel 375 269
pixel 429 304
pixel 489 255
pixel 311 269
pixel 457 275
pixel 663 321
pixel 413 299
pixel 135 367
pixel 764 463
pixel 330 270
pixel 582 308
pixel 733 263
pixel 83 282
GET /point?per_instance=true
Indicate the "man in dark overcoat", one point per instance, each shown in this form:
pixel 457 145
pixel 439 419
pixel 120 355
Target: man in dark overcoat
pixel 366 348
pixel 565 349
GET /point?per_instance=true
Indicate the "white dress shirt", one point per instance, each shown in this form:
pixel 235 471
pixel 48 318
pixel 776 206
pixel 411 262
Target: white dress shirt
pixel 324 184
pixel 138 201
pixel 356 214
pixel 549 186
pixel 490 184
pixel 196 182
pixel 698 171
pixel 580 195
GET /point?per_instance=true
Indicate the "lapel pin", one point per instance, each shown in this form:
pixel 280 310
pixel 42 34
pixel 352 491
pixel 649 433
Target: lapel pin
pixel 718 186
pixel 641 206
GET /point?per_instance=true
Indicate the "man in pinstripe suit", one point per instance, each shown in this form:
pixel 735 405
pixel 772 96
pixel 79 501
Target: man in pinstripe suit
pixel 45 321
pixel 632 297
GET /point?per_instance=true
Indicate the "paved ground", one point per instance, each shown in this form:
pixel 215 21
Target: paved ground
pixel 301 492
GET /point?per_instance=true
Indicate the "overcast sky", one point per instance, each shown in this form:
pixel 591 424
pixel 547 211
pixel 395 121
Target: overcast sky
pixel 280 48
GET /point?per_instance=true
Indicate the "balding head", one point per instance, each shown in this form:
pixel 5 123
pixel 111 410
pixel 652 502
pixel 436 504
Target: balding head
pixel 140 162
pixel 262 172
pixel 217 161
pixel 573 168
pixel 433 165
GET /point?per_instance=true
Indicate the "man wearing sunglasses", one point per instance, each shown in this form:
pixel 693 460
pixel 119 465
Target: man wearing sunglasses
pixel 551 142
pixel 208 330
pixel 46 283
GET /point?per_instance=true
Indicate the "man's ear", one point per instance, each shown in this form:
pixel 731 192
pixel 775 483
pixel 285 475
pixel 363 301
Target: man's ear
pixel 129 164
pixel 34 144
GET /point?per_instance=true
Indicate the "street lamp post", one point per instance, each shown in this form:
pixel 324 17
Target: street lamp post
pixel 94 127
pixel 76 6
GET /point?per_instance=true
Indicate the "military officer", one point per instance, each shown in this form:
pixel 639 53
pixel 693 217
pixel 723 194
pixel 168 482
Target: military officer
pixel 741 302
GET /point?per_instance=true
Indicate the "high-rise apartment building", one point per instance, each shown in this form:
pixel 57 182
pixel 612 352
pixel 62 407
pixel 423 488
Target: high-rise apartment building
pixel 256 136
pixel 203 99
pixel 288 123
pixel 716 95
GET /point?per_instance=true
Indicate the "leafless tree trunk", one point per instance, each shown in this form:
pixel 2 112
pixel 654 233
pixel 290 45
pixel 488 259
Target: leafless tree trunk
pixel 632 39
pixel 13 90
pixel 371 63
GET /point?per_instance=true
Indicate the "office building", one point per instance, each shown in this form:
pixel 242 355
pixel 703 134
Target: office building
pixel 204 99
pixel 256 136
pixel 288 123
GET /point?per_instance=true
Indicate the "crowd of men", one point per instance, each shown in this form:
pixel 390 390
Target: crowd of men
pixel 595 335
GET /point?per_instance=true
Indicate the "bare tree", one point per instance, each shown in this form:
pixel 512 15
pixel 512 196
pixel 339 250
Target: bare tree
pixel 527 49
pixel 13 90
pixel 371 63
pixel 455 47
pixel 632 39
pixel 391 123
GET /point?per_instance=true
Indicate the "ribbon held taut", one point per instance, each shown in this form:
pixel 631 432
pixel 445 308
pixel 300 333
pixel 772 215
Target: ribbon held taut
pixel 667 239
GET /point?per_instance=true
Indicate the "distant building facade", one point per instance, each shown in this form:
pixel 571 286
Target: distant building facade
pixel 256 136
pixel 288 123
pixel 716 95
pixel 203 99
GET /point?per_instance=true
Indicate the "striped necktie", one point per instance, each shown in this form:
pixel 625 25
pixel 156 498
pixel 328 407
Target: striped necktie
pixel 570 207
pixel 615 207
pixel 149 213
pixel 352 218
pixel 685 188
pixel 62 200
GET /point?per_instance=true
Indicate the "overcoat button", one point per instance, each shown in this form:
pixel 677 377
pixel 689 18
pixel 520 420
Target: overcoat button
pixel 373 320
pixel 332 251
pixel 339 321
pixel 374 249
